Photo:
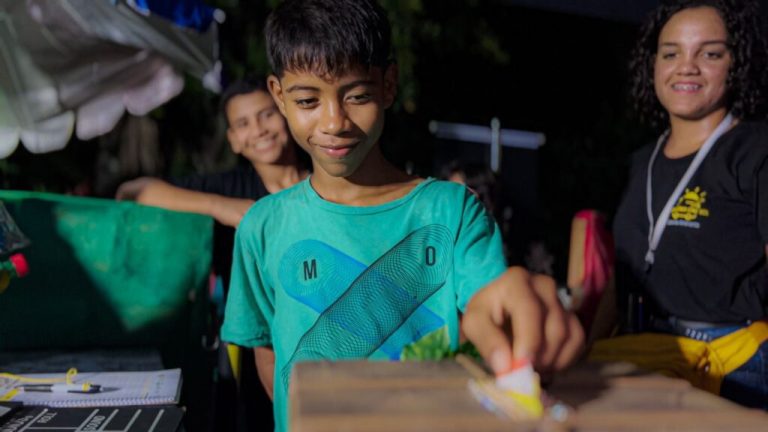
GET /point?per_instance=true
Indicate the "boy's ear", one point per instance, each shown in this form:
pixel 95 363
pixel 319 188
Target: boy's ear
pixel 276 90
pixel 390 85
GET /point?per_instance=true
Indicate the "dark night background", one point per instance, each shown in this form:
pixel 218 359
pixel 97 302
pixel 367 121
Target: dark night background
pixel 552 66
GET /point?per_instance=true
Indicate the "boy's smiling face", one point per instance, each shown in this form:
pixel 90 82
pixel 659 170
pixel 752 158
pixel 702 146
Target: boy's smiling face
pixel 337 120
pixel 256 130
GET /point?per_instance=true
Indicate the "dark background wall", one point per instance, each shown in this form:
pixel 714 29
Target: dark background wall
pixel 565 75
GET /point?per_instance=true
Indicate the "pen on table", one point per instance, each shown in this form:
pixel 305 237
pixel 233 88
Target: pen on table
pixel 62 388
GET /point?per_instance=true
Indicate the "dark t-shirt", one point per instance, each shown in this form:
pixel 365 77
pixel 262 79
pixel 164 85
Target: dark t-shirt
pixel 710 264
pixel 240 182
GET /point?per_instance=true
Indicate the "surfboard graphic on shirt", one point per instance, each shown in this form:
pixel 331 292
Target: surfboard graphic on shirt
pixel 364 309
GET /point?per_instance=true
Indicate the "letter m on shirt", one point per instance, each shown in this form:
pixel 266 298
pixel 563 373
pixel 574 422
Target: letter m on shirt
pixel 310 269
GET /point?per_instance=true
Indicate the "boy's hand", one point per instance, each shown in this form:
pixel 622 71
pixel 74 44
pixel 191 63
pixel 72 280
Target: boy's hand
pixel 130 190
pixel 519 316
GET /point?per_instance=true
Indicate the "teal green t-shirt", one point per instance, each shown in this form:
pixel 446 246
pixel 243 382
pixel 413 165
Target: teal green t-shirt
pixel 318 280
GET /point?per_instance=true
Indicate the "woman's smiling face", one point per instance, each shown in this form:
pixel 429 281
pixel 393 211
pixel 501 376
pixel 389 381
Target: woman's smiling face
pixel 692 64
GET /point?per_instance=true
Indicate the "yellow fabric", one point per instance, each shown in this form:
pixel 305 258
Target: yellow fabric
pixel 233 352
pixel 703 364
pixel 9 396
pixel 68 378
pixel 71 373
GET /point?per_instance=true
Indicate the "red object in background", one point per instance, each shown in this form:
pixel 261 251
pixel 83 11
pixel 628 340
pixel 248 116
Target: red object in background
pixel 598 262
pixel 20 264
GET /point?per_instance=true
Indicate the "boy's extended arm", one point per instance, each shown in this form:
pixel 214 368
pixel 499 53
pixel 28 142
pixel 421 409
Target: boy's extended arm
pixel 519 316
pixel 265 366
pixel 158 193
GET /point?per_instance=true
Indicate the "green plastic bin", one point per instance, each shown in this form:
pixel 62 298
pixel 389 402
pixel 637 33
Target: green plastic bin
pixel 104 273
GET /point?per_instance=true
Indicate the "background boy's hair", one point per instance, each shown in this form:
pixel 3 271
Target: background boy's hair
pixel 479 178
pixel 246 85
pixel 327 37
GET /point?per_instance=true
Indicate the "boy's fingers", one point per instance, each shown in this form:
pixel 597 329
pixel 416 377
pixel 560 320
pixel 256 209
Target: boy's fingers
pixel 574 346
pixel 489 339
pixel 556 328
pixel 509 296
pixel 564 333
pixel 527 316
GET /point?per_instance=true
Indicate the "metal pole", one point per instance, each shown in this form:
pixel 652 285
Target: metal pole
pixel 495 145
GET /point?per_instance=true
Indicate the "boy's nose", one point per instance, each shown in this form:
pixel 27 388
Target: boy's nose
pixel 257 129
pixel 333 119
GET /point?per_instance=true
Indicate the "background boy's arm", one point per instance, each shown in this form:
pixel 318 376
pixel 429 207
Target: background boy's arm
pixel 519 316
pixel 265 365
pixel 158 193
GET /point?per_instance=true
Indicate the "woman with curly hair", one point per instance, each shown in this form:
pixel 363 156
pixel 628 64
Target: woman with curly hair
pixel 692 228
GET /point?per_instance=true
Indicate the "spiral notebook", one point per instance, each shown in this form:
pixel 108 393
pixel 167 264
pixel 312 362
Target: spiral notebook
pixel 116 389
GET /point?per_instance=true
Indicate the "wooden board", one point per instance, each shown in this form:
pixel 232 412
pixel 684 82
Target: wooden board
pixel 433 396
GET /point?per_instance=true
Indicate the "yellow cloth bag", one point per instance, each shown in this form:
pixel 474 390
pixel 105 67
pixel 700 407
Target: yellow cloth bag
pixel 703 364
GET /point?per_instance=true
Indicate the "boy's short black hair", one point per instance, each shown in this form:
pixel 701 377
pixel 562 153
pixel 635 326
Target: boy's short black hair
pixel 327 37
pixel 246 85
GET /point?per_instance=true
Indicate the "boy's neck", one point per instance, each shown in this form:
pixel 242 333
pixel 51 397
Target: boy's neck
pixel 280 175
pixel 377 182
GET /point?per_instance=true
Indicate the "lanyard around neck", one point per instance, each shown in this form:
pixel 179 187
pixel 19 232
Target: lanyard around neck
pixel 656 230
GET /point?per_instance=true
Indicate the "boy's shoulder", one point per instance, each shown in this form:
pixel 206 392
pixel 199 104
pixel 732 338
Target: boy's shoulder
pixel 445 187
pixel 434 192
pixel 272 204
pixel 302 196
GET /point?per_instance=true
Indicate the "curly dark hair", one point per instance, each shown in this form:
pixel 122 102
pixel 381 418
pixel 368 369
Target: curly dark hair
pixel 746 82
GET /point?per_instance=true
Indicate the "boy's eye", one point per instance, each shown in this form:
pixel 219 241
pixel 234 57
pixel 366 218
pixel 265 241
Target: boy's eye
pixel 360 98
pixel 267 114
pixel 306 102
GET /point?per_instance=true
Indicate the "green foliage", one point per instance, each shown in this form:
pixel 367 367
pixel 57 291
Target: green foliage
pixel 241 41
pixel 405 15
pixel 437 346
pixel 417 30
pixel 468 349
pixel 8 170
pixel 434 346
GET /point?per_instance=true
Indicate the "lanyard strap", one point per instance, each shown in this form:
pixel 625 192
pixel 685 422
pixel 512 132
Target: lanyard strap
pixel 655 230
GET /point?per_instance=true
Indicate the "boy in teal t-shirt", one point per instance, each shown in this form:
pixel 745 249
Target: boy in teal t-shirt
pixel 330 281
pixel 362 260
